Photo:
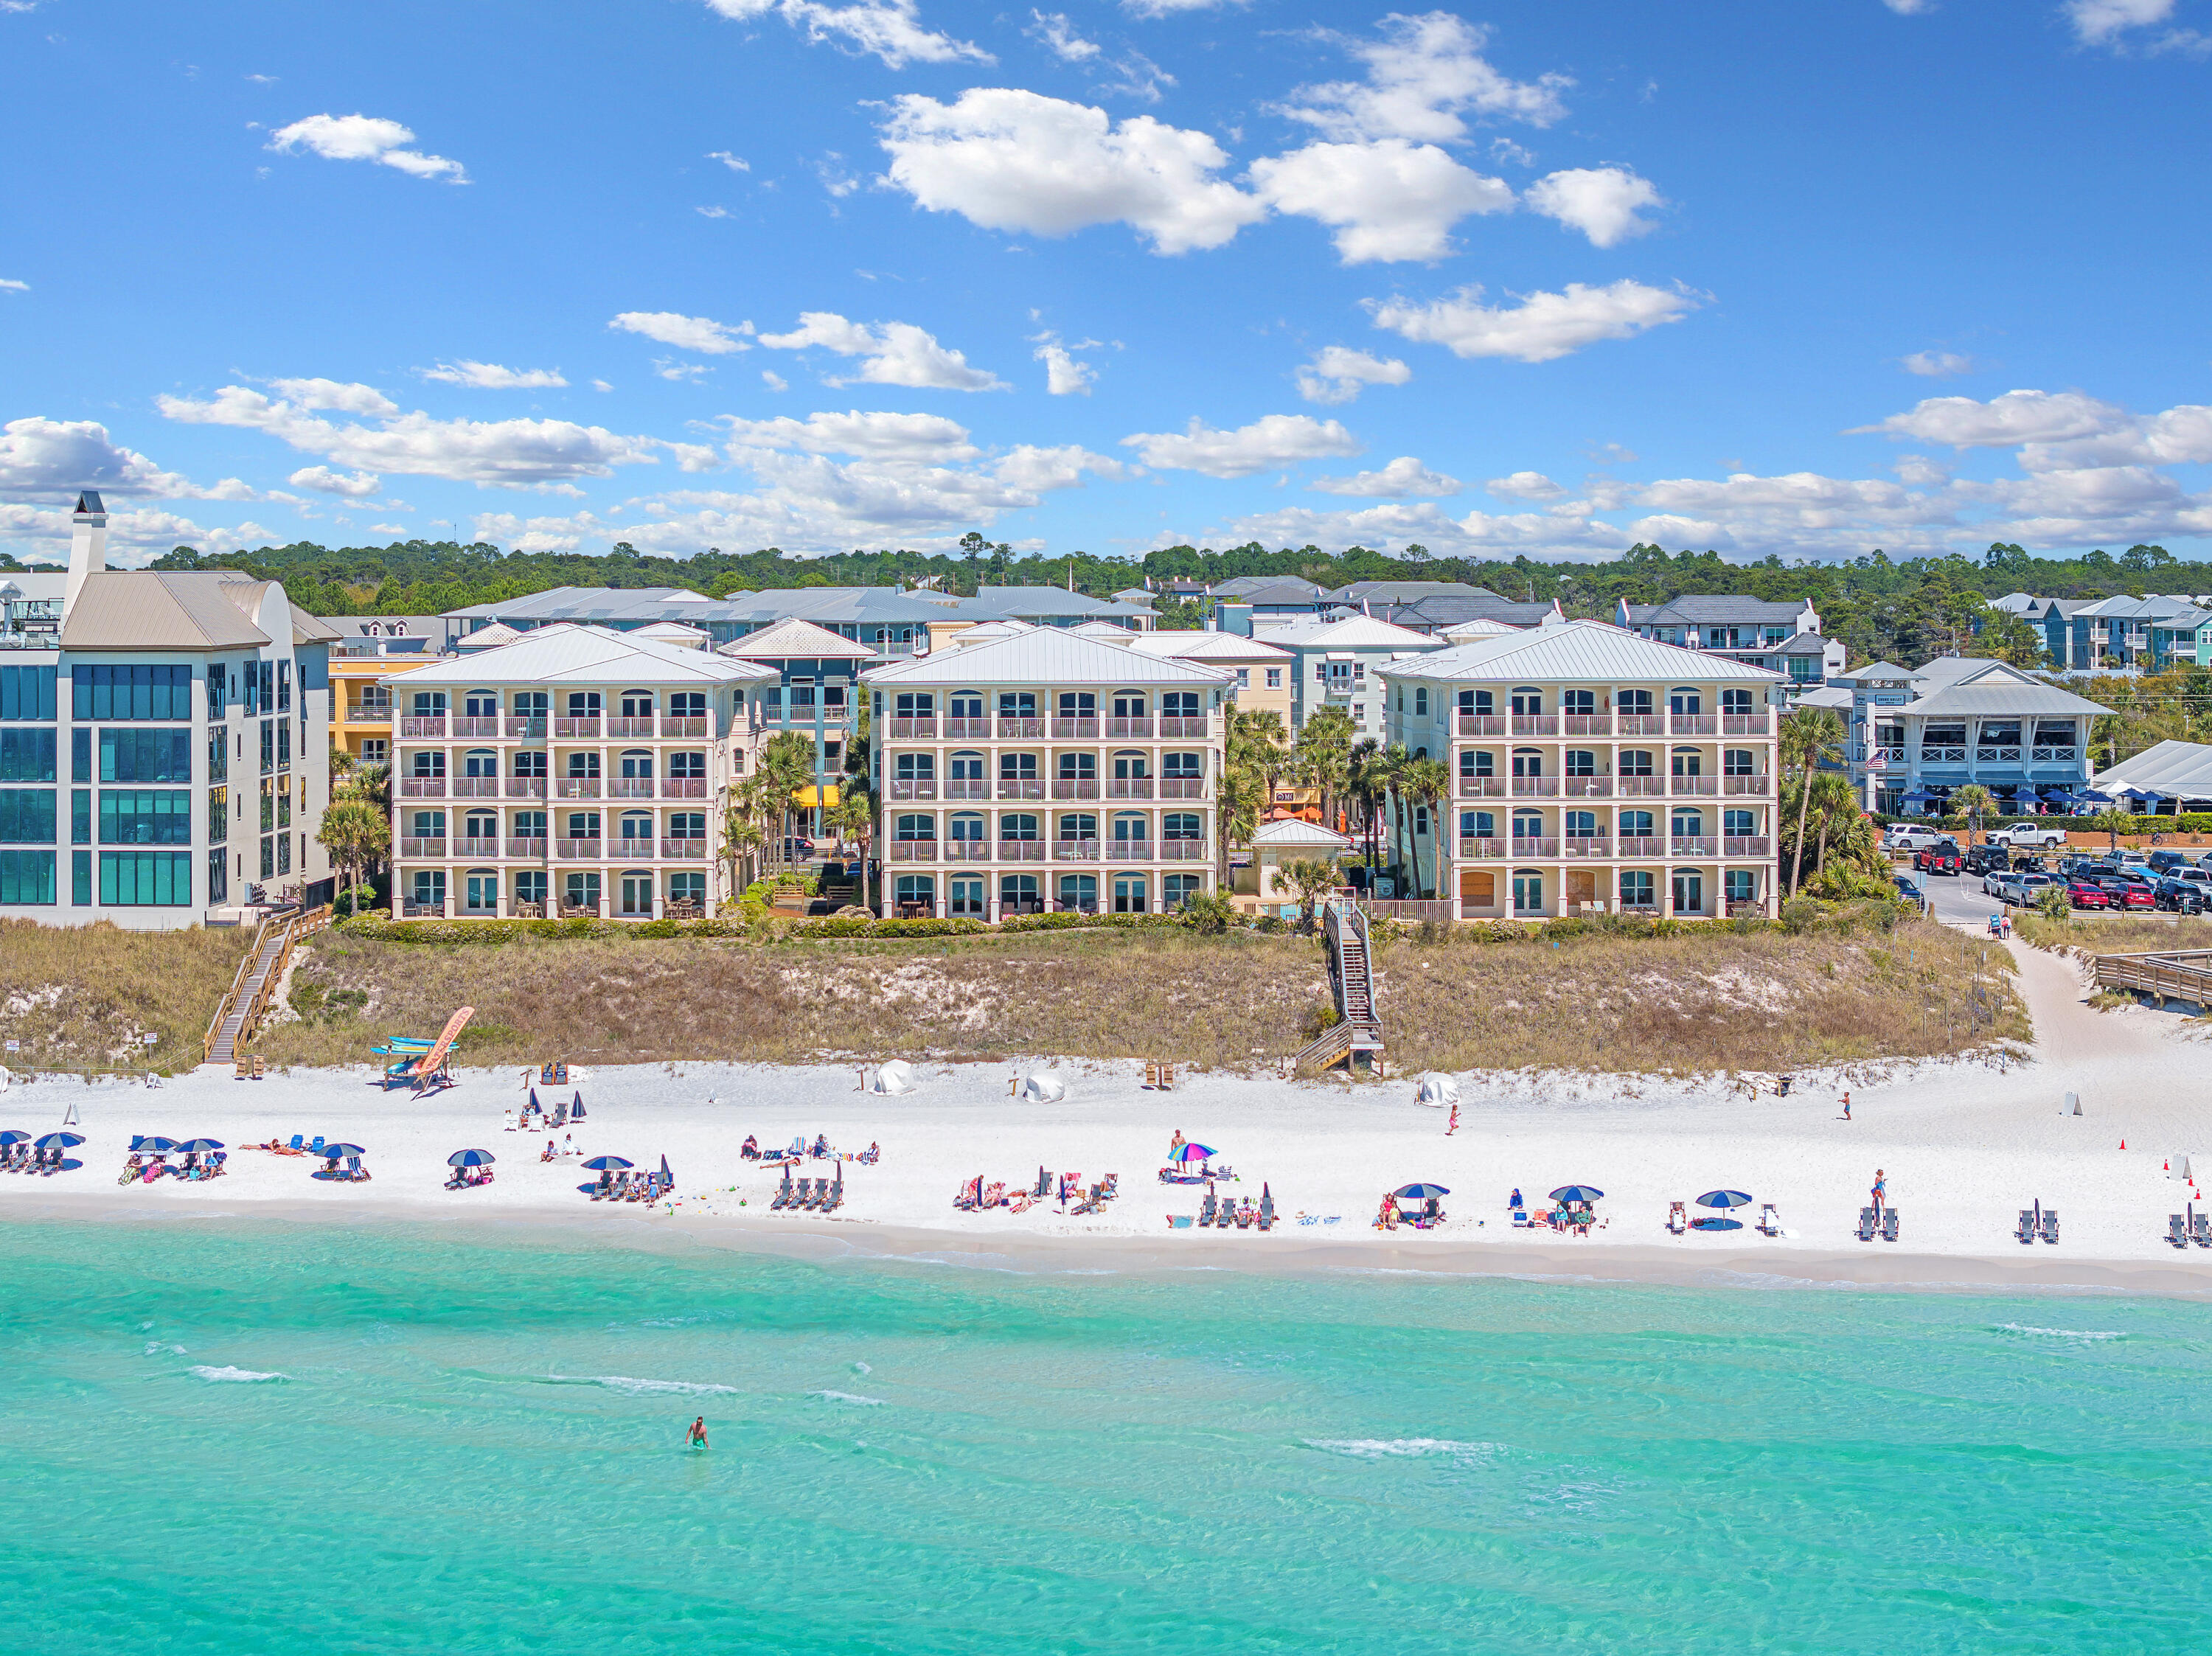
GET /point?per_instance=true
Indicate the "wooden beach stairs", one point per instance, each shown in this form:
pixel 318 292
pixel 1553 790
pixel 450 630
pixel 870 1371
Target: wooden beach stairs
pixel 246 1002
pixel 1355 1040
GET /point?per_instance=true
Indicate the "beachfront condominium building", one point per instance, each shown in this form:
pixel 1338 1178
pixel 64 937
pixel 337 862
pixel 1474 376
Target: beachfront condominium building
pixel 816 693
pixel 1591 772
pixel 1915 735
pixel 1339 664
pixel 1783 636
pixel 164 745
pixel 1044 771
pixel 577 771
pixel 2146 634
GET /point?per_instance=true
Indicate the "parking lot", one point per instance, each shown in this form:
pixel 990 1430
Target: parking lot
pixel 1959 900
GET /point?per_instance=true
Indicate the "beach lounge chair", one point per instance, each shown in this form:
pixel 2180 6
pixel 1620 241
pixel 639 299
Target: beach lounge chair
pixel 1768 1224
pixel 2026 1225
pixel 1889 1224
pixel 1206 1209
pixel 2202 1232
pixel 2177 1230
pixel 1867 1220
pixel 782 1196
pixel 1244 1218
pixel 820 1188
pixel 2050 1225
pixel 835 1200
pixel 295 1147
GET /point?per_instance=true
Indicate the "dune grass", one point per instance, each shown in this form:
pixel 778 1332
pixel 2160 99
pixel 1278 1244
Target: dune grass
pixel 1708 1000
pixel 2137 933
pixel 84 997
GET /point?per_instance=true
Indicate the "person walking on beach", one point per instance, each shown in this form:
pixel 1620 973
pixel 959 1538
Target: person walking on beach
pixel 1174 1143
pixel 1452 1126
pixel 697 1435
pixel 1847 1106
pixel 1881 1191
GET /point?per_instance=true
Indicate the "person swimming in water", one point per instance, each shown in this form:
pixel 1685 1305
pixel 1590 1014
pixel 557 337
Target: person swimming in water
pixel 697 1435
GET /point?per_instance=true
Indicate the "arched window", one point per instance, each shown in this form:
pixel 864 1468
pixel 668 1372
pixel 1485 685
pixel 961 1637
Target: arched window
pixel 690 704
pixel 915 891
pixel 1182 767
pixel 1735 703
pixel 968 826
pixel 1019 894
pixel 1475 704
pixel 1181 825
pixel 1636 703
pixel 1688 824
pixel 1079 894
pixel 692 766
pixel 691 886
pixel 1477 825
pixel 480 761
pixel 584 704
pixel 481 704
pixel 531 761
pixel 1477 761
pixel 687 825
pixel 633 894
pixel 1132 825
pixel 583 764
pixel 1636 889
pixel 1528 761
pixel 1739 824
pixel 1129 894
pixel 967 712
pixel 1742 885
pixel 913 827
pixel 1128 704
pixel 1528 825
pixel 1081 767
pixel 1528 700
pixel 637 704
pixel 914 704
pixel 1582 704
pixel 1737 762
pixel 1686 699
pixel 427 762
pixel 1688 762
pixel 914 766
pixel 637 764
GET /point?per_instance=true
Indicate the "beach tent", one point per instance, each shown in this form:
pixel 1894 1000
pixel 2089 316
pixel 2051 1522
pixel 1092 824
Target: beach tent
pixel 1046 1087
pixel 1437 1090
pixel 892 1079
pixel 577 1107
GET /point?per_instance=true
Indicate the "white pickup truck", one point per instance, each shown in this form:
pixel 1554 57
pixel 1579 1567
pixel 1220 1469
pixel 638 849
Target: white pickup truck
pixel 2026 838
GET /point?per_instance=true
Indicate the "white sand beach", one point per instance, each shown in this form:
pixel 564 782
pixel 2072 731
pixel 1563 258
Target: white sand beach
pixel 1964 1147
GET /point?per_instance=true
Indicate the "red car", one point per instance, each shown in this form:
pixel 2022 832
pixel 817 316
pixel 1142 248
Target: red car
pixel 2083 895
pixel 2130 894
pixel 1937 860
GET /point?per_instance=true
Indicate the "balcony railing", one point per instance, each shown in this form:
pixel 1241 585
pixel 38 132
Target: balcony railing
pixel 527 727
pixel 1535 724
pixel 1075 851
pixel 525 787
pixel 1075 730
pixel 475 724
pixel 1745 724
pixel 1588 787
pixel 534 849
pixel 587 787
pixel 2052 755
pixel 412 848
pixel 1482 724
pixel 694 850
pixel 1640 787
pixel 1746 845
pixel 1586 723
pixel 1641 723
pixel 421 787
pixel 1182 787
pixel 1942 756
pixel 1588 847
pixel 1182 726
pixel 1129 787
pixel 367 713
pixel 687 724
pixel 1020 730
pixel 966 850
pixel 1482 787
pixel 1124 730
pixel 1075 787
pixel 967 730
pixel 968 787
pixel 572 851
pixel 1693 724
pixel 1535 787
pixel 1694 787
pixel 1185 851
pixel 1996 755
pixel 1693 844
pixel 1021 787
pixel 1642 845
pixel 1021 851
pixel 1530 845
pixel 475 787
pixel 1485 849
pixel 578 730
pixel 631 728
pixel 419 727
pixel 476 850
pixel 913 787
pixel 914 730
pixel 411 909
pixel 683 787
pixel 914 851
pixel 1757 785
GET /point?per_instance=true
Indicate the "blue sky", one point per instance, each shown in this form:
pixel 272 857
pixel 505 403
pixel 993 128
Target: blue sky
pixel 1546 277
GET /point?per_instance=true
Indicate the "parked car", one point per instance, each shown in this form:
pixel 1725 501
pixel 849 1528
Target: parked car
pixel 2042 839
pixel 1911 836
pixel 1984 860
pixel 2181 896
pixel 2025 888
pixel 2084 894
pixel 2165 862
pixel 2121 892
pixel 1906 889
pixel 1941 857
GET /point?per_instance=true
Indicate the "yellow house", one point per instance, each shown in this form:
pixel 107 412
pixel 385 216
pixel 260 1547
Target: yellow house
pixel 1262 671
pixel 371 648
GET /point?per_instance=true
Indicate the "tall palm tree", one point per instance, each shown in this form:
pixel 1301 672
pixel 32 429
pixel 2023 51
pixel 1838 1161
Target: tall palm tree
pixel 1972 802
pixel 354 831
pixel 1241 798
pixel 1392 767
pixel 1427 782
pixel 1808 736
pixel 1838 807
pixel 1324 745
pixel 1363 789
pixel 786 765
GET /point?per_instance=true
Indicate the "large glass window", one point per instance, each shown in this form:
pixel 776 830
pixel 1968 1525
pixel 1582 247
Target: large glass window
pixel 1635 825
pixel 26 693
pixel 132 690
pixel 1079 892
pixel 1739 824
pixel 1177 889
pixel 968 895
pixel 689 886
pixel 146 879
pixel 1689 891
pixel 915 890
pixel 26 877
pixel 1019 894
pixel 218 886
pixel 26 817
pixel 1742 885
pixel 145 816
pixel 1476 761
pixel 480 892
pixel 914 827
pixel 145 756
pixel 218 818
pixel 1181 825
pixel 1528 893
pixel 26 755
pixel 687 825
pixel 529 886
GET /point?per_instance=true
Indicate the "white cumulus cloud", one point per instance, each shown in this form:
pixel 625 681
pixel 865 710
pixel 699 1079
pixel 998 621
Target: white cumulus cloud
pixel 491 376
pixel 345 396
pixel 1937 365
pixel 892 353
pixel 1910 7
pixel 1541 326
pixel 878 436
pixel 2101 22
pixel 889 29
pixel 1601 202
pixel 1011 160
pixel 1525 486
pixel 735 163
pixel 7 286
pixel 353 485
pixel 1059 35
pixel 43 459
pixel 1425 75
pixel 1064 374
pixel 689 333
pixel 1337 374
pixel 1273 440
pixel 2016 417
pixel 365 138
pixel 1403 477
pixel 1387 199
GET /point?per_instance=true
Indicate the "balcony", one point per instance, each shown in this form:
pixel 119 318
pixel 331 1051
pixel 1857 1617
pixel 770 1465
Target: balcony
pixel 1530 845
pixel 414 911
pixel 1482 725
pixel 533 850
pixel 587 787
pixel 632 729
pixel 1641 845
pixel 1129 787
pixel 1482 849
pixel 1182 787
pixel 968 851
pixel 1692 787
pixel 1588 847
pixel 1129 730
pixel 914 730
pixel 421 787
pixel 1693 844
pixel 683 787
pixel 1075 851
pixel 578 851
pixel 368 713
pixel 913 787
pixel 1942 756
pixel 1132 850
pixel 525 728
pixel 1021 729
pixel 1075 787
pixel 1180 728
pixel 967 730
pixel 475 725
pixel 475 787
pixel 1742 844
pixel 577 730
pixel 1535 787
pixel 1996 755
pixel 1588 787
pixel 432 848
pixel 685 850
pixel 1746 784
pixel 1641 723
pixel 914 851
pixel 2065 756
pixel 1021 851
pixel 476 851
pixel 1535 724
pixel 967 787
pixel 1021 787
pixel 1641 787
pixel 1693 724
pixel 1075 730
pixel 416 727
pixel 1586 723
pixel 525 787
pixel 1747 724
pixel 1482 787
pixel 695 725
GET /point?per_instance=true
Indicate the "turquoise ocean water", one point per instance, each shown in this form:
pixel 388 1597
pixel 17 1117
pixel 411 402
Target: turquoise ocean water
pixel 249 1437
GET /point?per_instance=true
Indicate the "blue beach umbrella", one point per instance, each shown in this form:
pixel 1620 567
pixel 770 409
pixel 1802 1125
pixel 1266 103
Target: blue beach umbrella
pixel 602 1163
pixel 334 1152
pixel 470 1159
pixel 1190 1152
pixel 1724 1198
pixel 1420 1192
pixel 14 1137
pixel 154 1144
pixel 1576 1193
pixel 201 1145
pixel 61 1141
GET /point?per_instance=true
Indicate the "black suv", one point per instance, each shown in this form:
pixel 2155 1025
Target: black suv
pixel 1987 859
pixel 2182 897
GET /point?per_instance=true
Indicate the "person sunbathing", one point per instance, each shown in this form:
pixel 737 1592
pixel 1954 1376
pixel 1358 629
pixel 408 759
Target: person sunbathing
pixel 750 1151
